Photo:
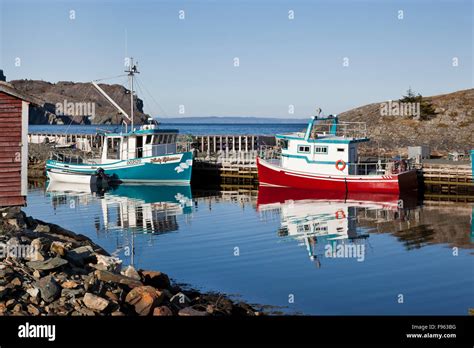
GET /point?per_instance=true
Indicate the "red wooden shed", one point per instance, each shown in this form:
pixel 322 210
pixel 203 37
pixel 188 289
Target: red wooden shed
pixel 13 146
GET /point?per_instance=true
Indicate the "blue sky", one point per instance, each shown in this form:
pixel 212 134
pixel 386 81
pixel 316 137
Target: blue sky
pixel 282 62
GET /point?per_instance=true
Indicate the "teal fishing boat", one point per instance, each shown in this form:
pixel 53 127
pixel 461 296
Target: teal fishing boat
pixel 146 154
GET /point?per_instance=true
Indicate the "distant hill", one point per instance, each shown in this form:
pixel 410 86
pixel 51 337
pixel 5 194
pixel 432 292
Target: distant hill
pixel 232 120
pixel 451 128
pixel 53 95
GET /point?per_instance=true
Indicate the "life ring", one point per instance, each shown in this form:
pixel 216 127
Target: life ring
pixel 340 214
pixel 343 165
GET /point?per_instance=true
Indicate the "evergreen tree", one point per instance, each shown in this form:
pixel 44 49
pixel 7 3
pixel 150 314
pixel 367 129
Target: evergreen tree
pixel 427 110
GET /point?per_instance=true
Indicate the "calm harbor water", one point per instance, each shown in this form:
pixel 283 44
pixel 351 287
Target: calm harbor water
pixel 184 128
pixel 295 251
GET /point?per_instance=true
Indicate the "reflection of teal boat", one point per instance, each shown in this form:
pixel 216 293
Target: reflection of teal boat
pixel 155 194
pixel 146 208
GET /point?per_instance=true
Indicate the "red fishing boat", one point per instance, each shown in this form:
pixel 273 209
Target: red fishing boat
pixel 325 158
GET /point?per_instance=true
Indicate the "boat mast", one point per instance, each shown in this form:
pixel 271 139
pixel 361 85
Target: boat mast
pixel 132 70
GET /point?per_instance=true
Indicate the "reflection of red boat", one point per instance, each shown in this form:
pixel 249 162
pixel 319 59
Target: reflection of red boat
pixel 271 195
pixel 327 160
pixel 326 222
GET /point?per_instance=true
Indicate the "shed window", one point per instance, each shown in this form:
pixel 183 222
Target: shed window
pixel 321 149
pixel 303 149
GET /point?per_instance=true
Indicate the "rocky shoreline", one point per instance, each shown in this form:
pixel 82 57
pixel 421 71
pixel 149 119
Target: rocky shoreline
pixel 48 270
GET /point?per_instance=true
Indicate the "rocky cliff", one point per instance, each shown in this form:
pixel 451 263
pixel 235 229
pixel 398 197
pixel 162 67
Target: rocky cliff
pixel 450 128
pixel 78 103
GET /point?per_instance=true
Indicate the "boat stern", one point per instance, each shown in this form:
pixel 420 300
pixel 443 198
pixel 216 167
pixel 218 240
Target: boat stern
pixel 408 181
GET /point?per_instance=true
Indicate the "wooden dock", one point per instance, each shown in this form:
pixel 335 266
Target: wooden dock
pixel 444 178
pixel 227 173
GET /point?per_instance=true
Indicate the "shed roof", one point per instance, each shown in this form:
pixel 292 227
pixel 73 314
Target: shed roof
pixel 7 88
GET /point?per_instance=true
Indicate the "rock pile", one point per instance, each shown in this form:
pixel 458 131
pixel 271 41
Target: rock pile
pixel 47 270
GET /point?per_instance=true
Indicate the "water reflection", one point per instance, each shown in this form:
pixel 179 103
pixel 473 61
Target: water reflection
pixel 375 246
pixel 332 224
pixel 316 219
pixel 143 208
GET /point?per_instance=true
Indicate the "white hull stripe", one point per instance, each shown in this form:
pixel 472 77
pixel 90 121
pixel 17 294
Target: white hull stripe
pixel 84 168
pixel 342 180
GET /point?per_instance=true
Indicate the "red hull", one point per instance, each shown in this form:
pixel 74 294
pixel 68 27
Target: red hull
pixel 269 174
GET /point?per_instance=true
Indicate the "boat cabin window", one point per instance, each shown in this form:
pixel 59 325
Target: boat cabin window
pixel 321 149
pixel 164 139
pixel 148 139
pixel 303 149
pixel 340 149
pixel 113 148
pixel 283 144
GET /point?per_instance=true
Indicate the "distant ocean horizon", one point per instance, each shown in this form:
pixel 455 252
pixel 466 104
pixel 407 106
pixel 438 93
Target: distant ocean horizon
pixel 183 128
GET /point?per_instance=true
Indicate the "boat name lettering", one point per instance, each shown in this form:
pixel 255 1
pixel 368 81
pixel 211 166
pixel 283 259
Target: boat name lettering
pixel 164 159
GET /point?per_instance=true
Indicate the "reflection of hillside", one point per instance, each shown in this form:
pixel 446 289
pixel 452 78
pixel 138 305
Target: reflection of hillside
pixel 415 237
pixel 430 224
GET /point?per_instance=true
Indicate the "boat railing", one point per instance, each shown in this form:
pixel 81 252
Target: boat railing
pixel 381 167
pixel 74 156
pixel 268 152
pixel 342 129
pixel 162 149
pixel 66 157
